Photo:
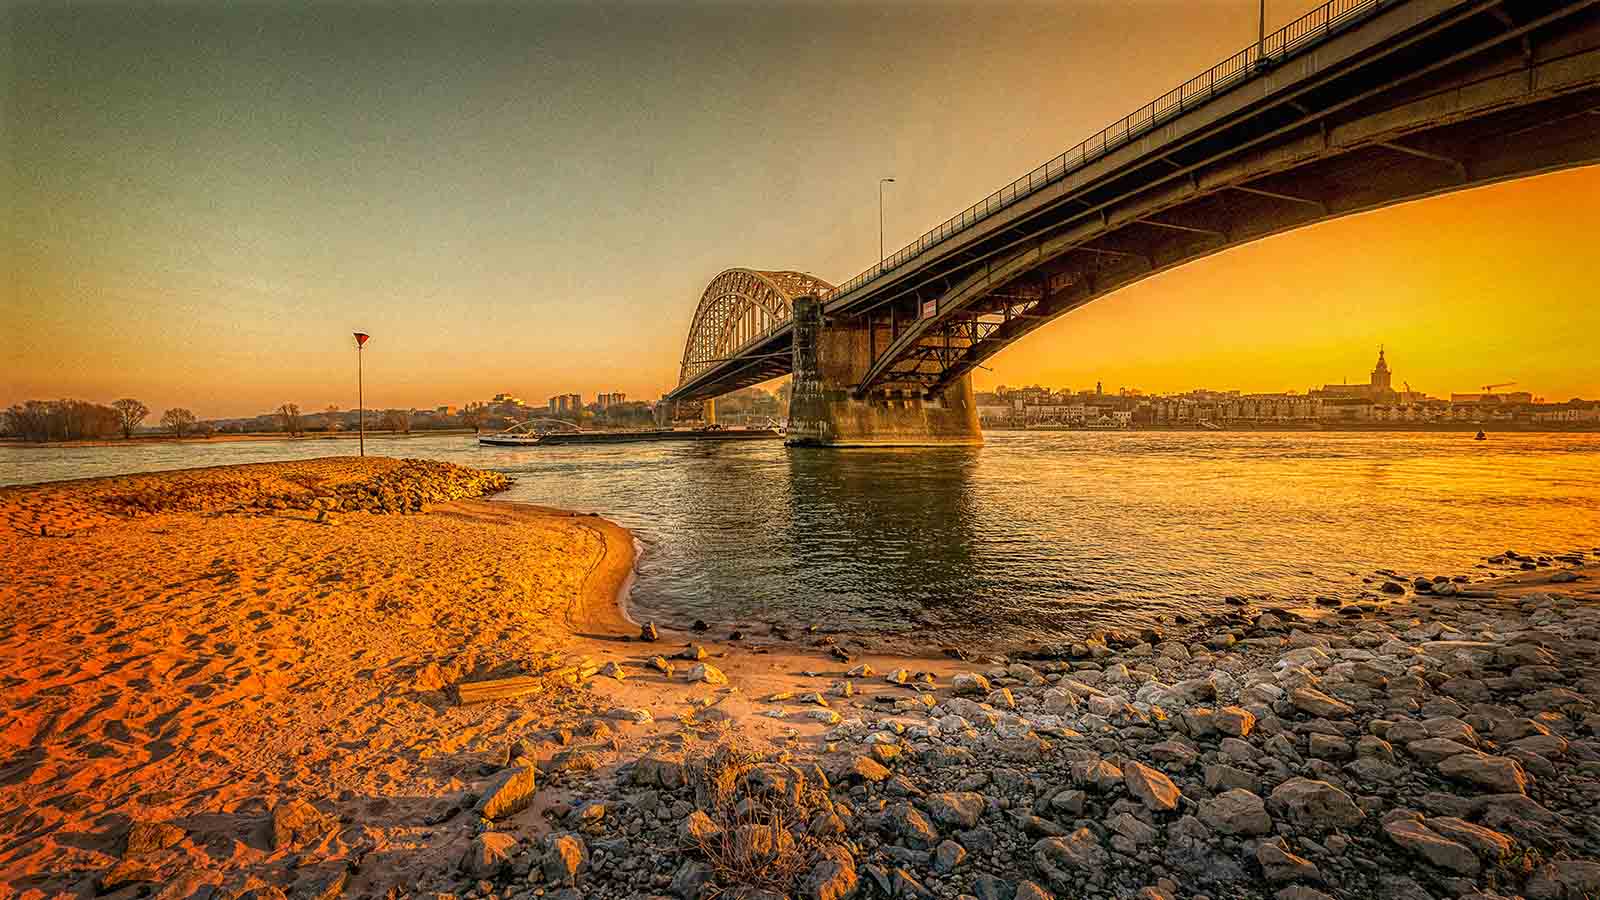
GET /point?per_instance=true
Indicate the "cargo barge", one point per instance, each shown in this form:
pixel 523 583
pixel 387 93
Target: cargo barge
pixel 565 438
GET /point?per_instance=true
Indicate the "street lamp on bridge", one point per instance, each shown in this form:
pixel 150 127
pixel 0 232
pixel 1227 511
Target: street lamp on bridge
pixel 881 183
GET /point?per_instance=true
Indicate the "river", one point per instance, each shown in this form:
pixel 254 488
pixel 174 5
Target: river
pixel 1031 535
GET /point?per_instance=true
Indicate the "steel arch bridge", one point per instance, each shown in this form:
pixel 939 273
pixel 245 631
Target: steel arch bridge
pixel 1357 105
pixel 739 310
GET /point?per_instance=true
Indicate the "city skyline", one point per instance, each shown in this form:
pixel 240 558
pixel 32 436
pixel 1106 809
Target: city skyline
pixel 156 254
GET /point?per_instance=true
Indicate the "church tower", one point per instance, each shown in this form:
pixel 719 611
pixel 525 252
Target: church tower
pixel 1380 375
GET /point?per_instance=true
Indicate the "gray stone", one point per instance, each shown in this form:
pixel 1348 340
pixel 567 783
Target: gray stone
pixel 1237 812
pixel 1278 865
pixel 947 856
pixel 1494 773
pixel 1566 879
pixel 1068 861
pixel 1315 804
pixel 910 825
pixel 1486 842
pixel 1315 703
pixel 691 879
pixel 1432 846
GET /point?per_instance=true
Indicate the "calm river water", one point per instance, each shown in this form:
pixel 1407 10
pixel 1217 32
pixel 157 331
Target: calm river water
pixel 1031 534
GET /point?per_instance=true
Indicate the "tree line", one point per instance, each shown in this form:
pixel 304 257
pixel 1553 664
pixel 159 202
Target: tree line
pixel 80 420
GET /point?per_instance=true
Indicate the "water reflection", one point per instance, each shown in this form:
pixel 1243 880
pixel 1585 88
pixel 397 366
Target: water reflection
pixel 1029 534
pixel 893 530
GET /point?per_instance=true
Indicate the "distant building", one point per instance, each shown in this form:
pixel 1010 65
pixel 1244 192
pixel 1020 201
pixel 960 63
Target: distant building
pixel 606 401
pixel 1377 388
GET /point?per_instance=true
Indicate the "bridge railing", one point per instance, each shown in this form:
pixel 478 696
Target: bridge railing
pixel 1310 29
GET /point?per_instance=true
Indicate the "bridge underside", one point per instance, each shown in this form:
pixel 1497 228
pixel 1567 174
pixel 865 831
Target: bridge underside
pixel 1517 94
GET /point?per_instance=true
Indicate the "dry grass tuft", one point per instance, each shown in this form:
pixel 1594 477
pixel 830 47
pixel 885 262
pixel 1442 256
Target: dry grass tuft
pixel 760 810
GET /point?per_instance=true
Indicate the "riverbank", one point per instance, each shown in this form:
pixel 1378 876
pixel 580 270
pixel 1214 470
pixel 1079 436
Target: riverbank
pixel 1489 428
pixel 206 685
pixel 228 438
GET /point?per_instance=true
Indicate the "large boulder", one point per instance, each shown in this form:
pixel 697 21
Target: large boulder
pixel 910 825
pixel 1315 805
pixel 960 809
pixel 510 792
pixel 1236 812
pixel 833 877
pixel 566 856
pixel 1499 774
pixel 1565 879
pixel 1315 703
pixel 1067 862
pixel 1432 846
pixel 488 855
pixel 1151 787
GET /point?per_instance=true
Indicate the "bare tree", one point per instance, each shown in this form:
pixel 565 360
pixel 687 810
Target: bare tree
pixel 30 420
pixel 177 420
pixel 289 415
pixel 397 420
pixel 61 420
pixel 472 415
pixel 130 413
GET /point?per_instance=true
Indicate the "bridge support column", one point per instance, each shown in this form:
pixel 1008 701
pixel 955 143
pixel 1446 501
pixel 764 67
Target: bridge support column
pixel 829 360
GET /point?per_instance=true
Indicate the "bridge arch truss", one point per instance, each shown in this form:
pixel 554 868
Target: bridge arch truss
pixel 741 308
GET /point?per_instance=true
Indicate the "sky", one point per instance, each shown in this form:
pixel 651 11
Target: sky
pixel 206 199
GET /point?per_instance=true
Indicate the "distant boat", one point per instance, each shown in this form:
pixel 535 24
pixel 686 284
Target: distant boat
pixel 1481 437
pixel 550 432
pixel 527 434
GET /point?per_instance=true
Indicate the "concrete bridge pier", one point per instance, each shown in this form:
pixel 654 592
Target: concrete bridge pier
pixel 830 359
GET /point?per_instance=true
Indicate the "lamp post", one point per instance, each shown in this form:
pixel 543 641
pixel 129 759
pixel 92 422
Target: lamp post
pixel 1261 30
pixel 881 183
pixel 361 400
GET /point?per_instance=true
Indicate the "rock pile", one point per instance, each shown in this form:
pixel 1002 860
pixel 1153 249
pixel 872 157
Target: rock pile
pixel 328 485
pixel 1381 755
pixel 410 487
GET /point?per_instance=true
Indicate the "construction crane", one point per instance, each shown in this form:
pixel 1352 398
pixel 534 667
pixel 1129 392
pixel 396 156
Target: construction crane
pixel 1489 387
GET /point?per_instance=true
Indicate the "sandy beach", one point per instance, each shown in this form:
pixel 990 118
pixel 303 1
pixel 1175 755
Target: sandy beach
pixel 209 662
pixel 257 681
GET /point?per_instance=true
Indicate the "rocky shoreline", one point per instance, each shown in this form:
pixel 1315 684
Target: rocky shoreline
pixel 1446 747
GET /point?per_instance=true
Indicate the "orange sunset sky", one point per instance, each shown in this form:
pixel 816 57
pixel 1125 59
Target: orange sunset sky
pixel 531 198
